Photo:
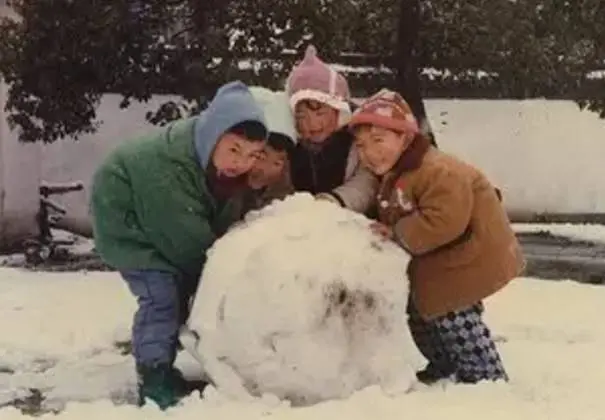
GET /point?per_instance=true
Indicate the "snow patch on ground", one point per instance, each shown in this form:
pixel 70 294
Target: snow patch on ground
pixel 57 316
pixel 550 335
pixel 59 331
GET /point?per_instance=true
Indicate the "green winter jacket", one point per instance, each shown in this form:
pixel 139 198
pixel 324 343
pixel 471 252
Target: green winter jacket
pixel 150 203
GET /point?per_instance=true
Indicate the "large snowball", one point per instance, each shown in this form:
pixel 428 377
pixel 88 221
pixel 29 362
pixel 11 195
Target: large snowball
pixel 305 303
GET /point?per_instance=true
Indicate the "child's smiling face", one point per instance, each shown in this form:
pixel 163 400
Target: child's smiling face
pixel 379 148
pixel 315 121
pixel 234 154
pixel 268 169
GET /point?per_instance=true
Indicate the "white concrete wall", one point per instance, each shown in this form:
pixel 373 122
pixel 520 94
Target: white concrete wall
pixel 546 156
pixel 20 174
pixel 68 160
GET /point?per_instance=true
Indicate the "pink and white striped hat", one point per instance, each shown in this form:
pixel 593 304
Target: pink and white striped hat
pixel 386 109
pixel 312 79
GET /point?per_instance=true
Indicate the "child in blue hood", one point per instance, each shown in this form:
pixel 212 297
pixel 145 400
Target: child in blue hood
pixel 158 204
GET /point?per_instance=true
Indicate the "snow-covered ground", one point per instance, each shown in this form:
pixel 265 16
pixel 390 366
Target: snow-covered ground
pixel 58 332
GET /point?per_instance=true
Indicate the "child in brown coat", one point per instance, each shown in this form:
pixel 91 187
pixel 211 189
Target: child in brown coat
pixel 448 216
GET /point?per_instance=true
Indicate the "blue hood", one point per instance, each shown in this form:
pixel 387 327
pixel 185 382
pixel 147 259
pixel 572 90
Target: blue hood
pixel 232 105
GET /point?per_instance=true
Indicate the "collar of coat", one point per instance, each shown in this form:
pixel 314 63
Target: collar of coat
pixel 411 159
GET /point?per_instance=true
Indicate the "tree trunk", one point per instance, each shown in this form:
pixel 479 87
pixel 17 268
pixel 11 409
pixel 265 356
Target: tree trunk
pixel 406 64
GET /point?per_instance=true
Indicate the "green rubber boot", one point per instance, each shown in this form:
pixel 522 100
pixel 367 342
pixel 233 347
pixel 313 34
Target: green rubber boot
pixel 162 384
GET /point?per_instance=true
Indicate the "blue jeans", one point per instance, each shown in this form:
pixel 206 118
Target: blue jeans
pixel 163 307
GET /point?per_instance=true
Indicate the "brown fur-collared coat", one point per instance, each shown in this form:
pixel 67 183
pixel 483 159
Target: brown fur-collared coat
pixel 449 217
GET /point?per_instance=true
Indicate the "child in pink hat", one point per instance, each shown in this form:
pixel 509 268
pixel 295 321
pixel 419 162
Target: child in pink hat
pixel 324 162
pixel 312 79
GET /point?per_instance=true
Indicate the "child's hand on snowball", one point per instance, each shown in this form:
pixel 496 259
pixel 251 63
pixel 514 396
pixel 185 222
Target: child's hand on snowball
pixel 382 230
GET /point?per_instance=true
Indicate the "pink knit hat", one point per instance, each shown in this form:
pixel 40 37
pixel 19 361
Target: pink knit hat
pixel 312 79
pixel 386 109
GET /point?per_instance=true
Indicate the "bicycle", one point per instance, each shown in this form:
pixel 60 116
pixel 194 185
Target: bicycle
pixel 45 246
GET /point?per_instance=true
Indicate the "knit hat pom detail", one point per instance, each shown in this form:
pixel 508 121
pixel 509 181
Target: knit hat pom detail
pixel 312 79
pixel 310 54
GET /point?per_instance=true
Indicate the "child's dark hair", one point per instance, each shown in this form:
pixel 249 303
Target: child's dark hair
pixel 252 130
pixel 281 143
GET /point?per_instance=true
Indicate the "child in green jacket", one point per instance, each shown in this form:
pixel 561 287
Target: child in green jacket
pixel 158 204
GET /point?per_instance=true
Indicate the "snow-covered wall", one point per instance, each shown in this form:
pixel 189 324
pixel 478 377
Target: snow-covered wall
pixel 20 169
pixel 546 156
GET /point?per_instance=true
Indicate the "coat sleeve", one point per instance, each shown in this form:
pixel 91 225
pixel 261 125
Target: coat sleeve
pixel 358 192
pixel 111 208
pixel 178 226
pixel 442 214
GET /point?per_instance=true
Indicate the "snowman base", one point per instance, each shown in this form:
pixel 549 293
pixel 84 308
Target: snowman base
pixel 304 303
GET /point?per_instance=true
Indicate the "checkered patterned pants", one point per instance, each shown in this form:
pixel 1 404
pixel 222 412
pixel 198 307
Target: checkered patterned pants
pixel 459 344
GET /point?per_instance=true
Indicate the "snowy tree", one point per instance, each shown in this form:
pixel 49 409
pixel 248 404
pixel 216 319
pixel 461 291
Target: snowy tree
pixel 529 47
pixel 62 56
